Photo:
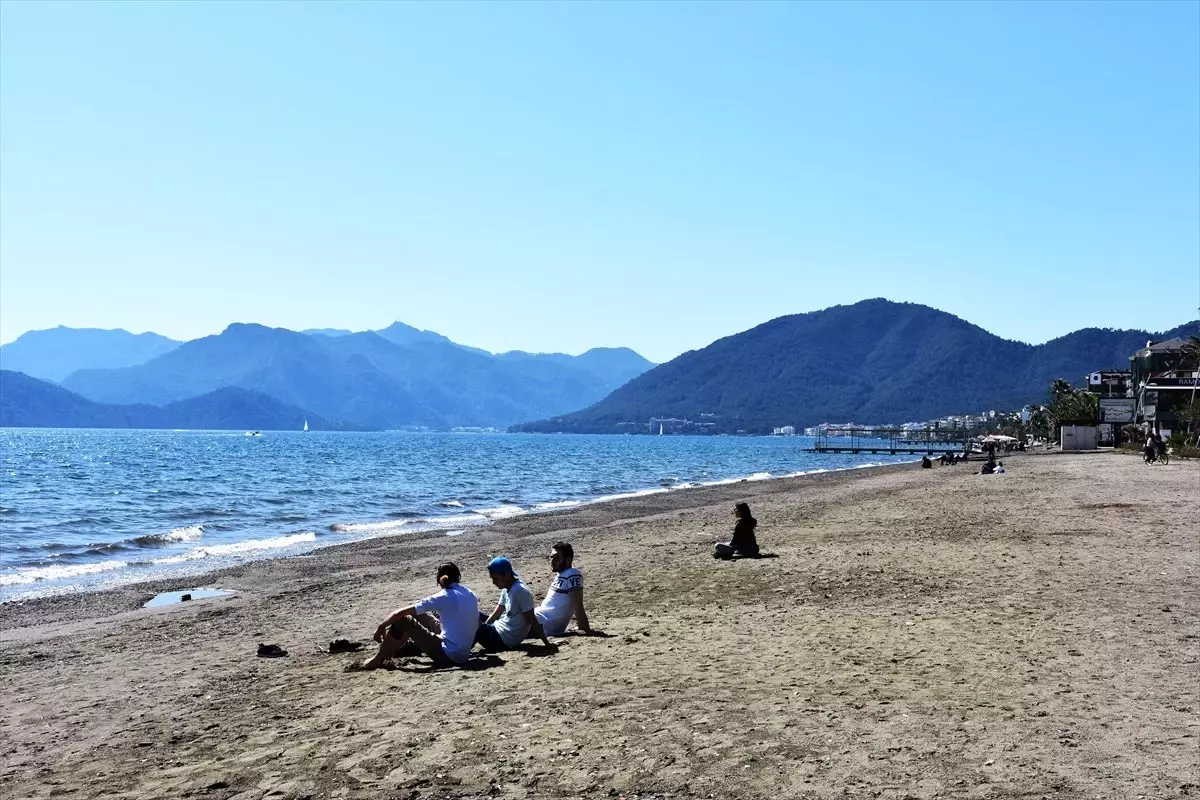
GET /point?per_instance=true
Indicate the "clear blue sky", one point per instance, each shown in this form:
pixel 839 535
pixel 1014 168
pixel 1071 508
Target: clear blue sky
pixel 552 176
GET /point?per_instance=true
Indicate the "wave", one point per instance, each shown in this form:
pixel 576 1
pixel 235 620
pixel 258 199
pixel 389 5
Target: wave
pixel 553 504
pixel 501 512
pixel 36 574
pixel 368 527
pixel 184 534
pixel 450 504
pixel 239 548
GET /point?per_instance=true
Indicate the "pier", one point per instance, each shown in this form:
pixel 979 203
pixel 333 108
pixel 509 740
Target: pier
pixel 894 441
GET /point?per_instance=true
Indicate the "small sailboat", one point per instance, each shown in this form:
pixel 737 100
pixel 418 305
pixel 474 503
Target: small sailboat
pixel 306 426
pixel 660 429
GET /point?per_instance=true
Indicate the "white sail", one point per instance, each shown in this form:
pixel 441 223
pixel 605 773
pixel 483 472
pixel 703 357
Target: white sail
pixel 306 426
pixel 660 429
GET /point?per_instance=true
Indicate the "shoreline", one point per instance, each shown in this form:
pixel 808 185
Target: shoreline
pixel 130 596
pixel 920 633
pixel 446 529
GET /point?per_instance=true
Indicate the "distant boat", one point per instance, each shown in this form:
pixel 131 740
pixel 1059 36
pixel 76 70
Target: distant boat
pixel 660 429
pixel 306 426
pixel 253 433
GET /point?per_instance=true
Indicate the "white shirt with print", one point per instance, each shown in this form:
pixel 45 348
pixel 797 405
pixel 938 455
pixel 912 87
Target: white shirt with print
pixel 555 611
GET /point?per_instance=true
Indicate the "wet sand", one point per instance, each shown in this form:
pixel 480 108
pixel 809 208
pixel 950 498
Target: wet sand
pixel 922 633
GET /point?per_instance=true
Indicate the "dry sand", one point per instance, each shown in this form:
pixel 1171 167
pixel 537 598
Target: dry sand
pixel 922 633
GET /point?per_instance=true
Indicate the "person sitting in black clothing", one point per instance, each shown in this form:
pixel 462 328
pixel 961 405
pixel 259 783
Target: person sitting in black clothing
pixel 989 467
pixel 926 463
pixel 743 544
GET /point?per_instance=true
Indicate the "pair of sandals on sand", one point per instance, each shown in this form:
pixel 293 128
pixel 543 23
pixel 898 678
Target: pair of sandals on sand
pixel 336 646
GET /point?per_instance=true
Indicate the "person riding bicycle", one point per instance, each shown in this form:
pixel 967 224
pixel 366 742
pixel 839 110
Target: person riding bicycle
pixel 1160 447
pixel 1150 449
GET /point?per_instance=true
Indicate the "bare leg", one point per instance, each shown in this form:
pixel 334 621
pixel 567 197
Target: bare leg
pixel 388 649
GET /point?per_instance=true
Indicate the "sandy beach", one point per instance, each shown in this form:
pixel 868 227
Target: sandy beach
pixel 920 634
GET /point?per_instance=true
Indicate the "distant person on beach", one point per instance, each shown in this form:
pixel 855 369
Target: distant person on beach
pixel 1150 451
pixel 512 619
pixel 442 625
pixel 989 467
pixel 564 599
pixel 743 544
pixel 926 463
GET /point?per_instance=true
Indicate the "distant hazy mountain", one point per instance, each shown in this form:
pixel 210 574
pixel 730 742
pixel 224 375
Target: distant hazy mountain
pixel 395 377
pixel 29 402
pixel 327 331
pixel 871 362
pixel 55 353
pixel 613 365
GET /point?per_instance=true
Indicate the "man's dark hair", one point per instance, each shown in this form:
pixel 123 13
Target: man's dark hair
pixel 450 572
pixel 565 549
pixel 743 509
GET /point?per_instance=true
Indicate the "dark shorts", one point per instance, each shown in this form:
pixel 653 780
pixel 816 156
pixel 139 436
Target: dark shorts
pixel 488 637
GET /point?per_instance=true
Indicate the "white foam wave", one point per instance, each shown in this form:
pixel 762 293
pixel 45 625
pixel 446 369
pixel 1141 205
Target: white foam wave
pixel 239 548
pixel 451 504
pixel 372 527
pixel 36 574
pixel 557 504
pixel 185 534
pixel 638 493
pixel 501 512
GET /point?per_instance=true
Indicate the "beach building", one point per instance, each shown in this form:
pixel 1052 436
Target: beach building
pixel 1115 400
pixel 1163 379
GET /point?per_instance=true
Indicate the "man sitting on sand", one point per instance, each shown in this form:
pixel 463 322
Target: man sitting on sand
pixel 743 544
pixel 564 599
pixel 446 637
pixel 513 616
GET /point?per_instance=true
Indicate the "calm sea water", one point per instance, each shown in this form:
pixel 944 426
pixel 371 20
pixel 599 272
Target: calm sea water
pixel 88 509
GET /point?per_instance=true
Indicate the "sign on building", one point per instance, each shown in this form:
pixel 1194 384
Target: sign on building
pixel 1116 409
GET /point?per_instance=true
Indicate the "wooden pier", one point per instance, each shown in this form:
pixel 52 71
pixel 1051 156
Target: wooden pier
pixel 894 441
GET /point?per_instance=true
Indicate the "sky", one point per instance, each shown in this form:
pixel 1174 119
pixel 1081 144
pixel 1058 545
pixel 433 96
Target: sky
pixel 559 176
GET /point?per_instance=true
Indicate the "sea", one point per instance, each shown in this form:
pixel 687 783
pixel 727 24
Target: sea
pixel 83 510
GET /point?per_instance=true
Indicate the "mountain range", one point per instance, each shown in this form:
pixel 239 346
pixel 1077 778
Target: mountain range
pixel 395 377
pixel 872 362
pixel 55 353
pixel 27 402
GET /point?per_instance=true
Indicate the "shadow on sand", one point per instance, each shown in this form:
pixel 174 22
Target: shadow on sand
pixel 479 661
pixel 745 558
pixel 592 633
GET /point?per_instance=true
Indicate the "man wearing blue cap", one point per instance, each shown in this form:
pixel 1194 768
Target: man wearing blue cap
pixel 513 616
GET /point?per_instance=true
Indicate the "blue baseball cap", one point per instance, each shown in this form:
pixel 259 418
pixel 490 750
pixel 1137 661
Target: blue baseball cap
pixel 501 565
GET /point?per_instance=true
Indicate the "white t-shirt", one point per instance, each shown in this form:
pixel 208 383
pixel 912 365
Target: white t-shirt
pixel 511 625
pixel 458 609
pixel 555 611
